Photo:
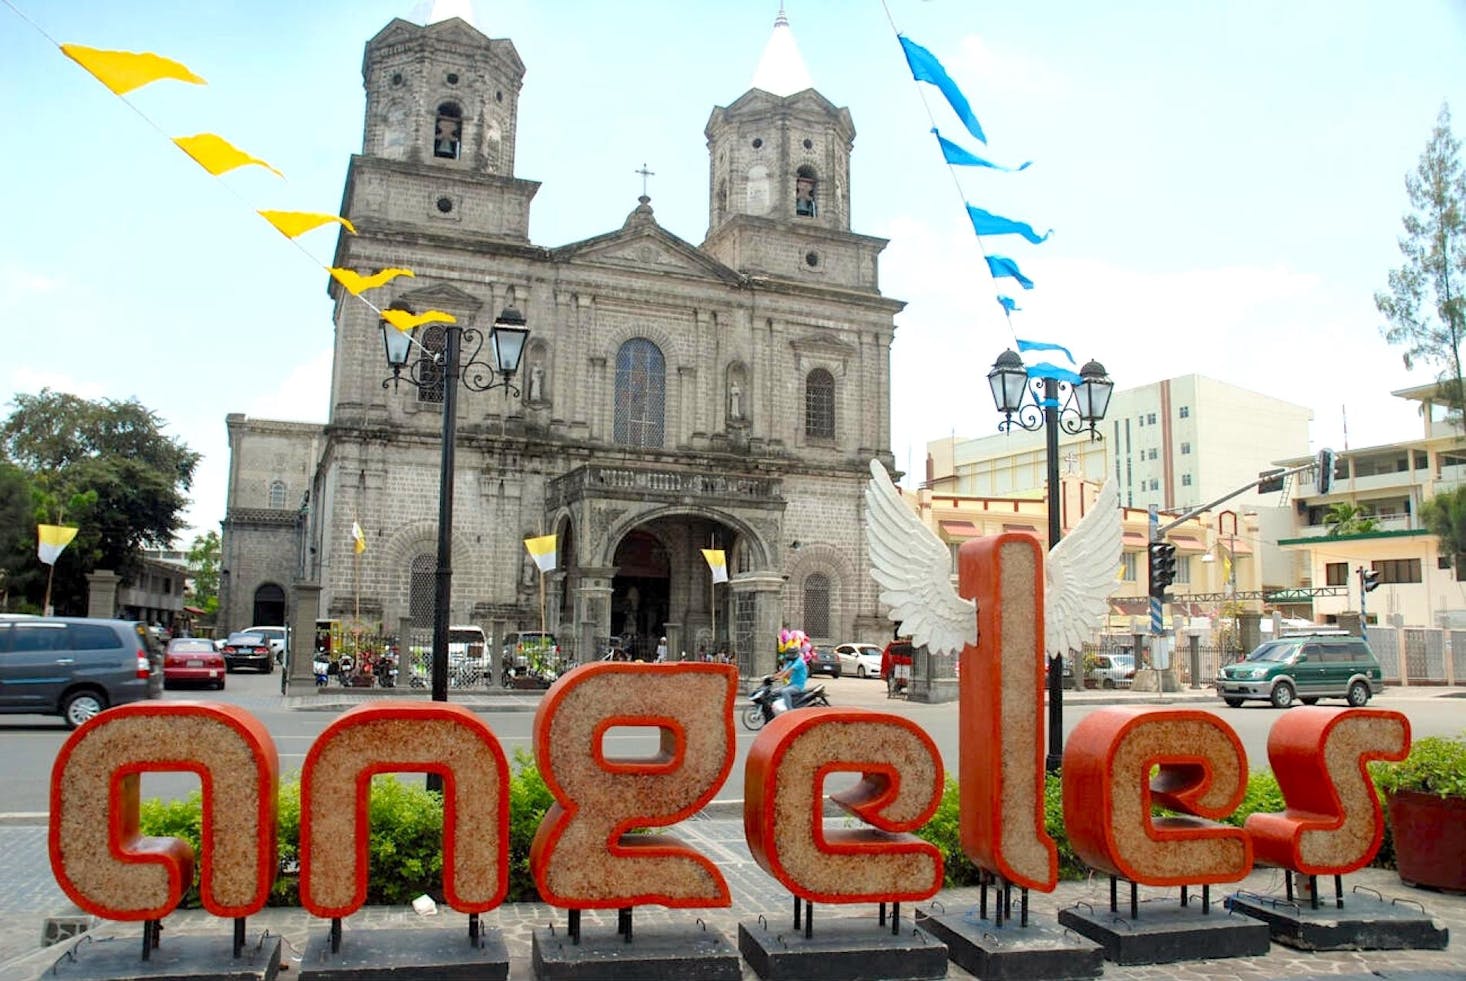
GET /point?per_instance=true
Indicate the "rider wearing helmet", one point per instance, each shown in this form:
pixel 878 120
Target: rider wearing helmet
pixel 796 671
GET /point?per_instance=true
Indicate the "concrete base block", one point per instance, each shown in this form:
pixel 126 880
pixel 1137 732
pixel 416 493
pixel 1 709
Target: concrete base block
pixel 1039 950
pixel 175 959
pixel 842 949
pixel 655 953
pixel 1165 933
pixel 1365 922
pixel 407 953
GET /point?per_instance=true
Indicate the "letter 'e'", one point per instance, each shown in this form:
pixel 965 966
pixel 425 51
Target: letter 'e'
pixel 99 857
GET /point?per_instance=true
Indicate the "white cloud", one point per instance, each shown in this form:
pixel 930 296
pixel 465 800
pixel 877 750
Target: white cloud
pixel 31 380
pixel 14 279
pixel 301 396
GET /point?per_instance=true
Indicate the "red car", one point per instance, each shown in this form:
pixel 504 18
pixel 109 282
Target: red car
pixel 194 660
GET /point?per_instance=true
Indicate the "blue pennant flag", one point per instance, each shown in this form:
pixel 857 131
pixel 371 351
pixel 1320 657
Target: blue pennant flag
pixel 1046 369
pixel 926 68
pixel 961 157
pixel 1009 305
pixel 987 223
pixel 1001 266
pixel 1025 346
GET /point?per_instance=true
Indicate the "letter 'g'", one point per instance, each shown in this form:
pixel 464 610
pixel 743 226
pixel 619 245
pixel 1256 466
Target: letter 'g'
pixel 425 737
pixel 582 856
pixel 1108 792
pixel 101 860
pixel 899 789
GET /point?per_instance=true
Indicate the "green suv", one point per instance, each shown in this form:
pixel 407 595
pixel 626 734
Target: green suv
pixel 1304 667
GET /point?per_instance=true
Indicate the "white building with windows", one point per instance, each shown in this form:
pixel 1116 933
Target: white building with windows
pixel 672 397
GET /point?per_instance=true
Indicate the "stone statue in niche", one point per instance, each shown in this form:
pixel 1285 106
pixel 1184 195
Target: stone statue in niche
pixel 537 383
pixel 735 401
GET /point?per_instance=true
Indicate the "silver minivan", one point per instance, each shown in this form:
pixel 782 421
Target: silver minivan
pixel 75 667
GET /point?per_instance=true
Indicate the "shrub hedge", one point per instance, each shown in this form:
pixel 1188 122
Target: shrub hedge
pixel 407 831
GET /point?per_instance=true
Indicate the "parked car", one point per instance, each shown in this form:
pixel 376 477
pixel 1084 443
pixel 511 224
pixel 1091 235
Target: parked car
pixel 1113 670
pixel 243 649
pixel 468 664
pixel 194 660
pixel 278 638
pixel 1305 667
pixel 76 667
pixel 823 660
pixel 861 660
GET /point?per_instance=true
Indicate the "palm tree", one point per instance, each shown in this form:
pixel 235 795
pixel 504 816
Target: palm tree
pixel 1348 518
pixel 1445 516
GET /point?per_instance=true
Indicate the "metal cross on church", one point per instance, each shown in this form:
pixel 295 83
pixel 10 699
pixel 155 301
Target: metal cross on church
pixel 644 175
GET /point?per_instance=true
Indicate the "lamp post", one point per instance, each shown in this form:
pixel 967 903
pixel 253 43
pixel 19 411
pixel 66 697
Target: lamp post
pixel 446 369
pixel 1083 405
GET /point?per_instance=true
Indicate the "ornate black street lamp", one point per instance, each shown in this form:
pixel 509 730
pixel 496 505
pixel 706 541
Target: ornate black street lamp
pixel 445 370
pixel 1083 405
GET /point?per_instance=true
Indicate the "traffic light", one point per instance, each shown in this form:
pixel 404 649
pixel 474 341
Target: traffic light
pixel 1368 579
pixel 1162 568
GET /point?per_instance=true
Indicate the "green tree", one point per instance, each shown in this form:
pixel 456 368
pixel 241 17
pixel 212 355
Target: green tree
pixel 1348 518
pixel 1445 516
pixel 203 568
pixel 1424 304
pixel 22 574
pixel 106 467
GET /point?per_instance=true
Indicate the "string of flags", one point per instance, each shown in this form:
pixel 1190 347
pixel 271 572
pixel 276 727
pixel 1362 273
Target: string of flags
pixel 926 67
pixel 123 72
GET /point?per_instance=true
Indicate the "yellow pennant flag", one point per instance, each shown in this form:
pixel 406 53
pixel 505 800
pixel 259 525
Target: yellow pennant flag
pixel 217 155
pixel 405 321
pixel 358 537
pixel 123 71
pixel 53 539
pixel 542 550
pixel 357 284
pixel 1226 564
pixel 293 224
pixel 718 562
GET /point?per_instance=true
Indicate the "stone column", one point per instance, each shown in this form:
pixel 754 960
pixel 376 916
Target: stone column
pixel 675 644
pixel 305 608
pixel 593 610
pixel 755 647
pixel 102 593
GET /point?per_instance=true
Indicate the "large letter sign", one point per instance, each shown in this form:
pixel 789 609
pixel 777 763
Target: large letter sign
pixel 1002 752
pixel 1332 823
pixel 899 789
pixel 1108 792
pixel 110 870
pixel 431 737
pixel 582 857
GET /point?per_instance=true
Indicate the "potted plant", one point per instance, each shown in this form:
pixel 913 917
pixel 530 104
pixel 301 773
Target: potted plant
pixel 1425 795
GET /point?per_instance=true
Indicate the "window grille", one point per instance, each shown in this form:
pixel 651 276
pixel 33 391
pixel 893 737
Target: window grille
pixel 430 371
pixel 817 605
pixel 640 394
pixel 277 493
pixel 819 405
pixel 421 590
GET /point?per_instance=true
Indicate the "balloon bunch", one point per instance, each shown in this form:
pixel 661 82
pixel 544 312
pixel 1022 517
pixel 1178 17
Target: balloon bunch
pixel 794 642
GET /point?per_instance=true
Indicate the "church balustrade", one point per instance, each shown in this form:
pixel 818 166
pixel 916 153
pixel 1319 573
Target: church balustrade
pixel 598 482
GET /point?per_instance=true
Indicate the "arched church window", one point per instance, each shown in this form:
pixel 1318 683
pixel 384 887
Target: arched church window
pixel 817 605
pixel 640 393
pixel 819 405
pixel 430 371
pixel 805 187
pixel 421 588
pixel 277 493
pixel 448 131
pixel 758 190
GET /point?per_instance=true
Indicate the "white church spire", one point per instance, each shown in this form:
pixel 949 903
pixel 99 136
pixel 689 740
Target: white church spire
pixel 433 11
pixel 781 70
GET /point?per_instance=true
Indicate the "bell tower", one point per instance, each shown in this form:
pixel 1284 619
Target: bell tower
pixel 779 188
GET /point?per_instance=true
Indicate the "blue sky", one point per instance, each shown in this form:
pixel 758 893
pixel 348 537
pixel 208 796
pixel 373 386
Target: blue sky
pixel 1225 181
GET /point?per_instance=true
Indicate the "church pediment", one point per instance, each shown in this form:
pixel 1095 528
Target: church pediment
pixel 649 248
pixel 450 31
pixel 756 101
pixel 440 296
pixel 823 345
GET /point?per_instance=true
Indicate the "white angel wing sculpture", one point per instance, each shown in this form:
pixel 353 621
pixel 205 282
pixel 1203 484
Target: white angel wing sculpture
pixel 1080 574
pixel 913 569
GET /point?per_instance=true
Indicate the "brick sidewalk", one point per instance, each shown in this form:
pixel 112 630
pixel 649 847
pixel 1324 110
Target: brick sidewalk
pixel 28 894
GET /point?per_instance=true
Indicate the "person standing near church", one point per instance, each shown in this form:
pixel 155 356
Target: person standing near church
pixel 662 650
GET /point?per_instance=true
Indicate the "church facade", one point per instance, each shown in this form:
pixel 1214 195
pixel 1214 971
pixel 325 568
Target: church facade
pixel 672 397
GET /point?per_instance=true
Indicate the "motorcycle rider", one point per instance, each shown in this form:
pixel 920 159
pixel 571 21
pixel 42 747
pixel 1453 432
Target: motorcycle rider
pixel 797 673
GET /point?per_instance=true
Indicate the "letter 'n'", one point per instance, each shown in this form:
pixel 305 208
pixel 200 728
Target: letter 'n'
pixel 427 737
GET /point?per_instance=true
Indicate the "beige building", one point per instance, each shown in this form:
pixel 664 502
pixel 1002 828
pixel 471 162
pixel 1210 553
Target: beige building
pixel 673 396
pixel 1418 585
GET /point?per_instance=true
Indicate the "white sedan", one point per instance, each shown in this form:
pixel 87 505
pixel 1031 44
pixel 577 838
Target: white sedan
pixel 861 660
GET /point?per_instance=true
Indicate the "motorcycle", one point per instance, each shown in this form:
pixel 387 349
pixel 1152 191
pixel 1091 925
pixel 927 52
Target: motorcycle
pixel 767 702
pixel 387 670
pixel 322 669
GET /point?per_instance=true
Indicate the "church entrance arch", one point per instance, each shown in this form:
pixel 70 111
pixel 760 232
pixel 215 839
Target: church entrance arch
pixel 269 606
pixel 640 592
